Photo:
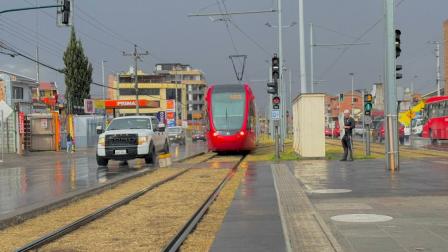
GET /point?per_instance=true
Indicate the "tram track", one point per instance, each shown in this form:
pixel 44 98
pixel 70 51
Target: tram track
pixel 71 228
pixel 177 241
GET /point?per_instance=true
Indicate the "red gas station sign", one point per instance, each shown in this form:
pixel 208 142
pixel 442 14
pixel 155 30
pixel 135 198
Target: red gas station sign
pixel 109 104
pixel 21 122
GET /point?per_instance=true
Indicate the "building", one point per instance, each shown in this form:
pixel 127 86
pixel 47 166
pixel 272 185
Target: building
pixel 16 92
pixel 176 85
pixel 335 106
pixel 192 80
pixel 45 96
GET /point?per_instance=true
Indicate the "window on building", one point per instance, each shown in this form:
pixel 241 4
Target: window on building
pixel 355 99
pixel 170 93
pixel 144 91
pixel 17 93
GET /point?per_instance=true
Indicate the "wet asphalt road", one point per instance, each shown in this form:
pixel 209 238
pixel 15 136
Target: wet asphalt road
pixel 48 176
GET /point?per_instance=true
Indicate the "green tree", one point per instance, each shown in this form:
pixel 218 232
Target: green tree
pixel 78 73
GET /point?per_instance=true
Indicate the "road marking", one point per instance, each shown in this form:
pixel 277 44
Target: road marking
pixel 330 191
pixel 361 218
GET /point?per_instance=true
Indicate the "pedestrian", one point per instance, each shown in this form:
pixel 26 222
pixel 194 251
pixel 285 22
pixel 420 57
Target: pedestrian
pixel 347 142
pixel 69 143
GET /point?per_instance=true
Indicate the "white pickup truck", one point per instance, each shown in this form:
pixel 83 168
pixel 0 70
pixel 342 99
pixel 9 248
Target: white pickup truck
pixel 131 137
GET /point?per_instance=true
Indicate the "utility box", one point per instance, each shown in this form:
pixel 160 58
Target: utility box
pixel 309 125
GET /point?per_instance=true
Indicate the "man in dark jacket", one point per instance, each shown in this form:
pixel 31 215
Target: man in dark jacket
pixel 347 143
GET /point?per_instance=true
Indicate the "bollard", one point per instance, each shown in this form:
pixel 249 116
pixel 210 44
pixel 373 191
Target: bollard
pixel 165 160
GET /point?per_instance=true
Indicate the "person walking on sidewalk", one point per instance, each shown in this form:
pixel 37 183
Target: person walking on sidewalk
pixel 69 143
pixel 347 142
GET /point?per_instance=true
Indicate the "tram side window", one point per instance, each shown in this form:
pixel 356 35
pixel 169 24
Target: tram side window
pixel 251 117
pixel 444 108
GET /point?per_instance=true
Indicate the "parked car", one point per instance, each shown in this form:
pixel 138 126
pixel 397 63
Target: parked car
pixel 176 134
pixel 198 136
pixel 131 137
pixel 380 132
pixel 359 130
pixel 417 127
pixel 332 132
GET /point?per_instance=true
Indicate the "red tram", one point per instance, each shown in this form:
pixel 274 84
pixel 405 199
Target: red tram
pixel 231 118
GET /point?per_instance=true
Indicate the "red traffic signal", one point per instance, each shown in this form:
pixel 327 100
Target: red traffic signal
pixel 276 100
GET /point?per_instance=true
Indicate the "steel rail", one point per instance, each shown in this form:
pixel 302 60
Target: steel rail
pixel 177 241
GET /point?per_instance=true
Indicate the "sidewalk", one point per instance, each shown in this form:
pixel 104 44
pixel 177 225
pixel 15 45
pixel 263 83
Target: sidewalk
pixel 339 206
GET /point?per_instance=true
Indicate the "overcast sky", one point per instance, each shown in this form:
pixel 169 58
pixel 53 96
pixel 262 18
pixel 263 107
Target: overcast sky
pixel 108 27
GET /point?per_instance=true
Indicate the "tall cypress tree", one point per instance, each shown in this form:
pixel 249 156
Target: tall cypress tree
pixel 78 73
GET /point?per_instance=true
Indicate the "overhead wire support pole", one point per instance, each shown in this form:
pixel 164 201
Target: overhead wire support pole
pixel 281 84
pixel 136 56
pixel 302 49
pixel 392 163
pixel 437 54
pixel 230 13
pixel 312 57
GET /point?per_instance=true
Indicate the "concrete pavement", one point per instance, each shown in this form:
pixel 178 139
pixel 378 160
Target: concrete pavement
pixel 339 206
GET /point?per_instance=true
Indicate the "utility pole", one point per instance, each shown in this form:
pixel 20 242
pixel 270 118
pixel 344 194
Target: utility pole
pixel 437 53
pixel 302 49
pixel 102 75
pixel 136 56
pixel 391 128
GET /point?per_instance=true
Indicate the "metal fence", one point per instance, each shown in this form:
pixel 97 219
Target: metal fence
pixel 85 130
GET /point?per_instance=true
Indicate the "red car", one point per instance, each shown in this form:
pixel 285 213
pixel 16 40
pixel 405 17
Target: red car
pixel 380 133
pixel 335 132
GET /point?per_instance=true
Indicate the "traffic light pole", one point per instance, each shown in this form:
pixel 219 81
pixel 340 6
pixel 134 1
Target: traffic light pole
pixel 391 128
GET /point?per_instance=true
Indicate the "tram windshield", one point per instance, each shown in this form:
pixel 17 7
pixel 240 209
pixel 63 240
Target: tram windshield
pixel 228 109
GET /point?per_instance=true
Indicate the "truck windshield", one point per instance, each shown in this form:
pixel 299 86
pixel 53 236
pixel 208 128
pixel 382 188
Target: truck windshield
pixel 130 123
pixel 173 130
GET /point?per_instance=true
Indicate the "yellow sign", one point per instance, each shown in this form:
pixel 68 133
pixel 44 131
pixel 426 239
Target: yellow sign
pixel 99 104
pixel 197 116
pixel 406 117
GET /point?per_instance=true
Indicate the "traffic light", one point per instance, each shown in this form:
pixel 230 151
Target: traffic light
pixel 368 99
pixel 275 68
pixel 66 12
pixel 272 88
pixel 397 74
pixel 397 43
pixel 275 102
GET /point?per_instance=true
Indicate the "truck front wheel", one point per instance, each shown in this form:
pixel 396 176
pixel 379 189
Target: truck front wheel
pixel 102 161
pixel 152 156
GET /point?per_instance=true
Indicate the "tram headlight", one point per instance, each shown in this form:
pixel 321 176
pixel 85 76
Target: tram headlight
pixel 242 133
pixel 215 133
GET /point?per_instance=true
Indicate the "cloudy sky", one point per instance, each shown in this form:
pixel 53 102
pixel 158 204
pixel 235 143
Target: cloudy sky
pixel 108 27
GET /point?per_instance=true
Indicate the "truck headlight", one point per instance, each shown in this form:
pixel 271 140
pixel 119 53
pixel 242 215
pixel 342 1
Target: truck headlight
pixel 102 141
pixel 143 140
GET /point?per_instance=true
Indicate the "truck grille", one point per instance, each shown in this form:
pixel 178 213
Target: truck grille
pixel 122 140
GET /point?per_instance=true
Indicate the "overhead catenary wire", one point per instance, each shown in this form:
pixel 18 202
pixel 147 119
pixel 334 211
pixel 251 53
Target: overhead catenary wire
pixel 367 31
